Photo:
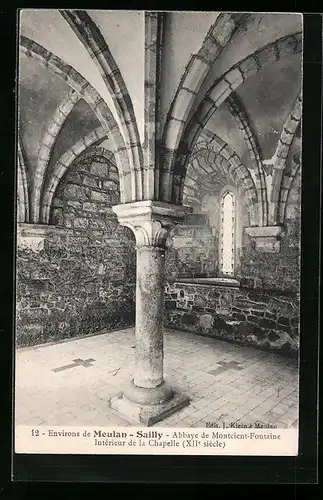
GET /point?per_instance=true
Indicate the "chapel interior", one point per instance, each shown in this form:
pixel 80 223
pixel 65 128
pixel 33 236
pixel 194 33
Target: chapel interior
pixel 158 201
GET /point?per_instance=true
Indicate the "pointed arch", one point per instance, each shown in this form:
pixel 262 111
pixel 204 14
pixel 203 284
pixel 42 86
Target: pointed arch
pixel 219 35
pixel 46 148
pixel 98 105
pixel 222 89
pixel 279 160
pixel 90 36
pixel 288 133
pixel 239 113
pixel 63 165
pixel 22 186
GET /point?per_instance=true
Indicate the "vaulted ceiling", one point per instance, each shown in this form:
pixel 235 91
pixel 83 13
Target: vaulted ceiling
pixel 265 98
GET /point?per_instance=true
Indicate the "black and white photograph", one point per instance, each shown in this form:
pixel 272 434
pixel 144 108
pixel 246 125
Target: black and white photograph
pixel 158 214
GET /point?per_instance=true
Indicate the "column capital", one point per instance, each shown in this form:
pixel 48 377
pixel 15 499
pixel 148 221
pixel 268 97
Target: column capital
pixel 266 238
pixel 150 220
pixel 32 236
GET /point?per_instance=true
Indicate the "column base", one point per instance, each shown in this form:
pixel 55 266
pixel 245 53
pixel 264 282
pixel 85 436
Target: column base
pixel 148 414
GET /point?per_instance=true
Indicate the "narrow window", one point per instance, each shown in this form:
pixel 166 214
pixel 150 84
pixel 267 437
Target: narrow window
pixel 227 233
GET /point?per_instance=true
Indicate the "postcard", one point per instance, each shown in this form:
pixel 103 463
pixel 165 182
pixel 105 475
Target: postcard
pixel 158 232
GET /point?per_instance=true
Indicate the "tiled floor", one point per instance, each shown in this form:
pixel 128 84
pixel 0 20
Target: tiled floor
pixel 255 386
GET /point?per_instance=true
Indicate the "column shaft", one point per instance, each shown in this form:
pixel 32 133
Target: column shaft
pixel 149 316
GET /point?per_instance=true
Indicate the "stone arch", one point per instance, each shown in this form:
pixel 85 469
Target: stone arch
pixel 197 69
pixel 77 82
pixel 46 147
pixel 289 131
pixel 90 36
pixel 63 165
pixel 286 184
pixel 218 150
pixel 22 186
pixel 240 115
pixel 222 89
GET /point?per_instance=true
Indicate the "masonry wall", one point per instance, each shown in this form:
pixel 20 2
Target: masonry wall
pixel 277 271
pixel 84 278
pixel 250 317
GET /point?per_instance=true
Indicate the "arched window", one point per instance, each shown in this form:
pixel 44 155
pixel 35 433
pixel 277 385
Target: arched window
pixel 227 234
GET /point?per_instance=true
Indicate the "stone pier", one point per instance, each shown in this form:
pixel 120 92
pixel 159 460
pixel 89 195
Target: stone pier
pixel 148 397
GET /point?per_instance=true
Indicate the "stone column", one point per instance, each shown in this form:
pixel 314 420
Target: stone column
pixel 148 398
pixel 149 316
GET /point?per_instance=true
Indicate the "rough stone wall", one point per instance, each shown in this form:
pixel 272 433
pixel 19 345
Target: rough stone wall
pixel 244 316
pixel 277 271
pixel 84 278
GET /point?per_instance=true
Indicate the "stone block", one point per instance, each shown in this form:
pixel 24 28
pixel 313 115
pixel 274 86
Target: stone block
pixel 235 78
pixel 102 197
pixel 110 185
pixel 220 92
pixel 183 102
pixel 200 301
pixel 209 50
pixel 80 222
pixel 252 319
pixel 100 169
pixel 74 204
pixel 224 34
pixel 267 323
pixel 189 319
pixel 91 207
pixel 72 191
pixel 173 133
pixel 90 182
pixel 248 66
pixel 239 316
pixel 195 74
pixel 286 46
pixel 206 321
pixel 283 321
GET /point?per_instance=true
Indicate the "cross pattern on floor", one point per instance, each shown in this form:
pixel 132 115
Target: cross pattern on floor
pixel 232 365
pixel 76 362
pixel 253 385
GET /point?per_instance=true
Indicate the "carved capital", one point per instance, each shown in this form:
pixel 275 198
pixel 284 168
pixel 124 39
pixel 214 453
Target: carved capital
pixel 33 236
pixel 150 221
pixel 266 238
